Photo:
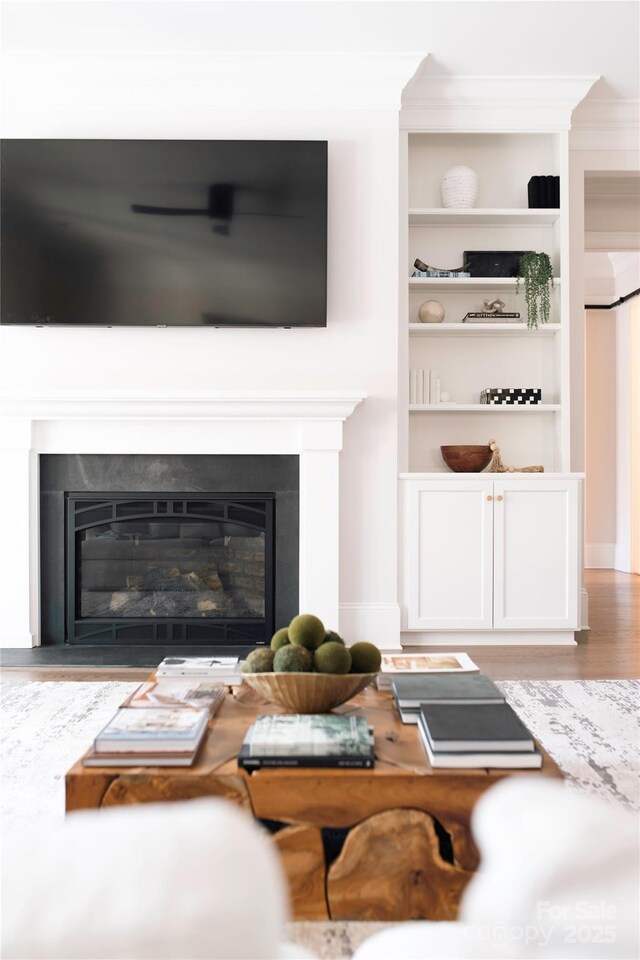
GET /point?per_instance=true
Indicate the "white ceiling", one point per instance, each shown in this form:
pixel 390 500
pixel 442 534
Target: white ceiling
pixel 471 38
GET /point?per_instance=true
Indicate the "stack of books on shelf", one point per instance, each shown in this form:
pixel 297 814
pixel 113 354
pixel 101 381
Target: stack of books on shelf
pixel 465 722
pixel 155 736
pixel 491 318
pixel 308 740
pixel 225 670
pixel 421 664
pixel 424 387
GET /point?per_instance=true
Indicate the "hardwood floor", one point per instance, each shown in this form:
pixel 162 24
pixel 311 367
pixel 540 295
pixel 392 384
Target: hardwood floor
pixel 609 650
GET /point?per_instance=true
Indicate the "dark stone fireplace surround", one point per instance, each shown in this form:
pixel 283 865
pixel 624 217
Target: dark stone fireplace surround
pixel 209 475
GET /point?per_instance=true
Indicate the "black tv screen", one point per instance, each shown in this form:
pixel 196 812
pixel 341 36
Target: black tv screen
pixel 164 233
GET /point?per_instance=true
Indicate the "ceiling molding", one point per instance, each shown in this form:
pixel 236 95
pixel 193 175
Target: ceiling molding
pixel 606 125
pixel 154 83
pixel 607 241
pixel 492 104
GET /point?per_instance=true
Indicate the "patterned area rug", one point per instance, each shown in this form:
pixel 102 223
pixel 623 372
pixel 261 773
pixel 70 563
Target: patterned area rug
pixel 590 727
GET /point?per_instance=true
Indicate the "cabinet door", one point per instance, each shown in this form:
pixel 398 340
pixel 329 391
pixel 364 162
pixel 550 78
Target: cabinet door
pixel 536 553
pixel 449 554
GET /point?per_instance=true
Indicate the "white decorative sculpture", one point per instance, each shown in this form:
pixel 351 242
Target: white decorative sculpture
pixel 494 306
pixel 460 187
pixel 431 311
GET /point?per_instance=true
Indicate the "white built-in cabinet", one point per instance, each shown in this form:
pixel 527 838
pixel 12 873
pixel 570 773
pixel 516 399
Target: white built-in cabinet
pixel 492 552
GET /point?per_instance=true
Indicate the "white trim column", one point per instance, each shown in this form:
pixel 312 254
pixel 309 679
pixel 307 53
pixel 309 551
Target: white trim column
pixel 19 556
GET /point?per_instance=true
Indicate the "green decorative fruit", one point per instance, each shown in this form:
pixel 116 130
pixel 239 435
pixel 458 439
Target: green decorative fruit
pixel 280 639
pixel 365 658
pixel 332 657
pixel 332 637
pixel 305 630
pixel 259 661
pixel 293 659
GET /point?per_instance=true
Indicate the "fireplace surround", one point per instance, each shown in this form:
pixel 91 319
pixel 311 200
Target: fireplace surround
pixel 306 426
pixel 169 569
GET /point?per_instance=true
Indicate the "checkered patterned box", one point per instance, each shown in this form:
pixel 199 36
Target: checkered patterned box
pixel 524 396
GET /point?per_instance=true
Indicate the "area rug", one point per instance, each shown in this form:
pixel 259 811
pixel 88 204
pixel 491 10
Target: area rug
pixel 590 728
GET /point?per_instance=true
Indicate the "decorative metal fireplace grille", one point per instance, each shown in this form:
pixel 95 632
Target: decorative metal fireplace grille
pixel 153 568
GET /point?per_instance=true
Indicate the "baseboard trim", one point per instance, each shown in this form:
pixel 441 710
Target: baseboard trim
pixel 584 610
pixel 492 638
pixel 378 623
pixel 599 556
pixel 23 641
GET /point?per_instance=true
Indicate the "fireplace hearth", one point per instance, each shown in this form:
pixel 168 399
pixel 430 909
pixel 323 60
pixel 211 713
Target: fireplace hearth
pixel 184 568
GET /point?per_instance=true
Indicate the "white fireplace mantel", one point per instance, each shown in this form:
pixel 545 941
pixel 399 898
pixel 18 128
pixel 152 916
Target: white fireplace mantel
pixel 309 425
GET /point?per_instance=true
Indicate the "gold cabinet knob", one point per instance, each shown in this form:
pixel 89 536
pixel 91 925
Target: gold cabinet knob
pixel 489 497
pixel 499 497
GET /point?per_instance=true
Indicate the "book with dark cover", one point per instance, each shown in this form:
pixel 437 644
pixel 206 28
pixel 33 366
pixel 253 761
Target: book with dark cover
pixel 530 760
pixel 474 728
pixel 309 735
pixel 467 688
pixel 249 762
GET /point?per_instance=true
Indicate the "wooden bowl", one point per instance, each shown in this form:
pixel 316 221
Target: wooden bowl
pixel 308 692
pixel 466 458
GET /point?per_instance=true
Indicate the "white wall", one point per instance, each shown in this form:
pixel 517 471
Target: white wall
pixel 600 415
pixel 356 353
pixel 611 441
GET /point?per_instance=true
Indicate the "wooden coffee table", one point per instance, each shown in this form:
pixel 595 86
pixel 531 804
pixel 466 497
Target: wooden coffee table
pixel 392 843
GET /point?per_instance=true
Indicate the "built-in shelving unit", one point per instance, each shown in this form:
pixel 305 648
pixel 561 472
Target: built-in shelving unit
pixel 468 358
pixel 482 330
pixel 484 408
pixel 436 216
pixel 468 284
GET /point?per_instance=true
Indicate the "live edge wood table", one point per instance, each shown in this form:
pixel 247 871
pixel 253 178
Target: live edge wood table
pixel 392 843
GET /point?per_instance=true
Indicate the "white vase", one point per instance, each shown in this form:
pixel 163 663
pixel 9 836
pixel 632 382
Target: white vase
pixel 459 187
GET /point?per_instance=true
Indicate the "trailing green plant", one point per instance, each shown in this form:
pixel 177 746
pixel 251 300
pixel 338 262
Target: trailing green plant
pixel 536 272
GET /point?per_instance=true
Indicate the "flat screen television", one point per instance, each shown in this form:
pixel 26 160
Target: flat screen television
pixel 164 233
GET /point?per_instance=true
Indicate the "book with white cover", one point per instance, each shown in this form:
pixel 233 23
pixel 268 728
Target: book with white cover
pixel 224 669
pixel 180 692
pixel 155 730
pixel 314 735
pixel 398 663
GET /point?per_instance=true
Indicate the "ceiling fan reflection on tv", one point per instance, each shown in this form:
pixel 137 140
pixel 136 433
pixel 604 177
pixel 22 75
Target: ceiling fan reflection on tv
pixel 221 207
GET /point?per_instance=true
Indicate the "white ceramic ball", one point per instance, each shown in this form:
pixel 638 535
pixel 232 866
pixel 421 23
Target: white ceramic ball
pixel 445 396
pixel 431 311
pixel 459 187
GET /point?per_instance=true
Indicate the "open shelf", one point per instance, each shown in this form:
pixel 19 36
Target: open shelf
pixel 512 217
pixel 481 329
pixel 483 408
pixel 468 283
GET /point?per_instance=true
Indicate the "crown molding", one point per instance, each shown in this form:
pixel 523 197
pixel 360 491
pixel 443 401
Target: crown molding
pixel 606 125
pixel 606 240
pixel 492 104
pixel 151 84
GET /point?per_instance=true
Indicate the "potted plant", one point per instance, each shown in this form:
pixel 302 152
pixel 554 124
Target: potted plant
pixel 536 272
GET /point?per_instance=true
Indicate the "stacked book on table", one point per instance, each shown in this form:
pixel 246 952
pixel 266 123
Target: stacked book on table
pixel 464 721
pixel 225 670
pixel 161 724
pixel 308 740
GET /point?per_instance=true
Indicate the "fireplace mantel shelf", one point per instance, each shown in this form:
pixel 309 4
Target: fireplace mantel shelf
pixel 246 406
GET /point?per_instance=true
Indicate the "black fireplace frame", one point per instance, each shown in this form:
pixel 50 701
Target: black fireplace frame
pixel 166 630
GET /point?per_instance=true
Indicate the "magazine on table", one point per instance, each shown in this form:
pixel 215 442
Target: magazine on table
pixel 399 663
pixel 155 730
pixel 169 692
